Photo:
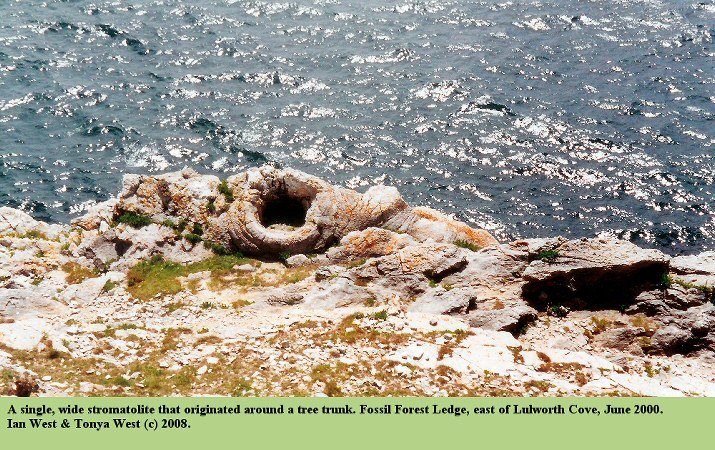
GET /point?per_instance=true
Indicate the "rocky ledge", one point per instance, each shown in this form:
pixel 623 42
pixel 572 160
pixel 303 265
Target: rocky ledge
pixel 274 282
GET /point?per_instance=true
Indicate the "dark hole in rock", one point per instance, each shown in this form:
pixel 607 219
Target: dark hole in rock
pixel 593 289
pixel 283 210
pixel 121 247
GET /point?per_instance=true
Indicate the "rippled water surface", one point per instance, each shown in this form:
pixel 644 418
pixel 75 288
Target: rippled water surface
pixel 529 118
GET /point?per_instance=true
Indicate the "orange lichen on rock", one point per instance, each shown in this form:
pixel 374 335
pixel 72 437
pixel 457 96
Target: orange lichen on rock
pixel 455 229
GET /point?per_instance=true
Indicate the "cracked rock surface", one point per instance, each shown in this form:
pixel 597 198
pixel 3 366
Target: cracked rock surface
pixel 274 282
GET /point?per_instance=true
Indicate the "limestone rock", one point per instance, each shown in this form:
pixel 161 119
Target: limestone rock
pixel 97 216
pixel 297 260
pixel 27 303
pixel 490 268
pixel 509 318
pixel 593 271
pixel 427 224
pixel 271 211
pixel 316 213
pixel 131 245
pixel 24 334
pixel 366 243
pixel 327 272
pixel 14 221
pixel 619 338
pixel 441 301
pixel 409 270
pixel 704 263
pixel 285 297
pixel 696 270
pixel 669 339
pixel 336 293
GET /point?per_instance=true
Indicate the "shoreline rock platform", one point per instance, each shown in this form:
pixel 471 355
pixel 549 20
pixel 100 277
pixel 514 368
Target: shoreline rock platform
pixel 276 283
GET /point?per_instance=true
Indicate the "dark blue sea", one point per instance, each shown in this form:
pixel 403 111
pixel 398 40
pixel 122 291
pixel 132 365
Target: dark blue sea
pixel 528 118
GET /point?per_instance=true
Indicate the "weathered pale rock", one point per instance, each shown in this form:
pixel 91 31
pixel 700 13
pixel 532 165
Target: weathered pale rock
pixel 14 221
pixel 482 337
pixel 509 318
pixel 275 211
pixel 124 246
pixel 490 268
pixel 28 303
pixel 704 263
pixel 24 334
pixel 669 339
pixel 85 291
pixel 326 272
pixel 618 338
pixel 336 293
pixel 593 270
pixel 103 248
pixel 317 213
pixel 297 260
pixel 368 243
pixel 97 216
pixel 426 224
pixel 441 301
pixel 409 271
pixel 643 386
pixel 180 194
pixel 432 260
pixel 285 297
pixel 695 270
pixel 663 302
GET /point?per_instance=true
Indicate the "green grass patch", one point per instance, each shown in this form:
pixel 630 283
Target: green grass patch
pixel 158 276
pixel 155 276
pixel 217 248
pixel 169 224
pixel 666 281
pixel 120 381
pixel 77 273
pixel 134 220
pixel 181 226
pixel 193 238
pixel 467 244
pixel 242 386
pixel 355 263
pixel 557 310
pixel 548 255
pixel 709 291
pixel 226 191
pixel 171 307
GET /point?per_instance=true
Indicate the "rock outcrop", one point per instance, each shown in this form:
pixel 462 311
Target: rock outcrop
pixel 594 272
pixel 271 211
pixel 369 273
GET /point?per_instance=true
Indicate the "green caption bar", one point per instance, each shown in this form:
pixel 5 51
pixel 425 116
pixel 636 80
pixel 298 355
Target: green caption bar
pixel 352 423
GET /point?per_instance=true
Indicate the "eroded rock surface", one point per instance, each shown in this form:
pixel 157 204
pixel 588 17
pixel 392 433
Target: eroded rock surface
pixel 339 282
pixel 603 271
pixel 270 211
